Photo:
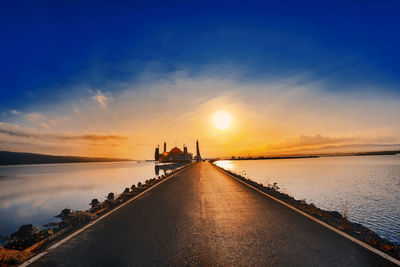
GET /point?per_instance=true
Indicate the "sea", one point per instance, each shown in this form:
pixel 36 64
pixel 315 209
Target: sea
pixel 35 194
pixel 364 188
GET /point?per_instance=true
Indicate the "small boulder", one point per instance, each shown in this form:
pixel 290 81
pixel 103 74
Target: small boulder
pixel 24 231
pixel 64 214
pixel 95 202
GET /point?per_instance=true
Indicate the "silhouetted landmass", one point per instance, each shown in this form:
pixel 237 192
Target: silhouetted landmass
pixel 378 153
pixel 277 157
pixel 368 153
pixel 301 156
pixel 11 158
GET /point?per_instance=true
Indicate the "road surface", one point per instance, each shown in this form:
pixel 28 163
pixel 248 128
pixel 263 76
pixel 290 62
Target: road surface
pixel 203 217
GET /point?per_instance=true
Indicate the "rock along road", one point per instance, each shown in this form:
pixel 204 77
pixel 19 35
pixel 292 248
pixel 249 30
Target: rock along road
pixel 203 217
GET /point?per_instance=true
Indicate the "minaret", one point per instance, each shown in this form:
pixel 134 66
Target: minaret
pixel 165 146
pixel 157 154
pixel 198 157
pixel 185 151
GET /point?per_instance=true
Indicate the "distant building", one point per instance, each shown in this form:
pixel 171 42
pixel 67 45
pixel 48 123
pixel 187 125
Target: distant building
pixel 157 154
pixel 198 157
pixel 174 155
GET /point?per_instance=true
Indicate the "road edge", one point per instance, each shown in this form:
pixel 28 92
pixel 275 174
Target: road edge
pixel 372 249
pixel 65 239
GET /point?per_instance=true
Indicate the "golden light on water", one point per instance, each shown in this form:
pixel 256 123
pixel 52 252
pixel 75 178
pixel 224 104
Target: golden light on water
pixel 222 120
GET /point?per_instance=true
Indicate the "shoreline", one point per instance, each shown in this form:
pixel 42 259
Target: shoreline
pixel 316 155
pixel 332 218
pixel 29 240
pixel 9 158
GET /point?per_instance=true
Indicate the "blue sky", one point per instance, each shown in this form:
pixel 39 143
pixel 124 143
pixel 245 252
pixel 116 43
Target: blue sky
pixel 52 52
pixel 48 46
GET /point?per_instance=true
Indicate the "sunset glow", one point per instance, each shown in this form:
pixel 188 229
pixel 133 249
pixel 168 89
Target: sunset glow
pixel 222 120
pixel 248 90
pixel 162 118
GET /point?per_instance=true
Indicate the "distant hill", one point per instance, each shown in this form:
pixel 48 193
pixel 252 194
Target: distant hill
pixel 10 158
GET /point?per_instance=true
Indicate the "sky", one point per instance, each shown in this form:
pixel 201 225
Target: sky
pixel 114 79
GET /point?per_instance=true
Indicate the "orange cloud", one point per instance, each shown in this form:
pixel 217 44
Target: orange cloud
pixel 267 117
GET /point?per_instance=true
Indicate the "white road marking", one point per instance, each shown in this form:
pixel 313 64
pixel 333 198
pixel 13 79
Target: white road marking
pixel 33 259
pixel 372 249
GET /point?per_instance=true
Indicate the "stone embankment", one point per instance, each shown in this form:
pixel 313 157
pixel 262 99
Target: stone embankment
pixel 29 240
pixel 332 218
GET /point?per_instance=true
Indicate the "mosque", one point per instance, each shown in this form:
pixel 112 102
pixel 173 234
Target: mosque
pixel 176 154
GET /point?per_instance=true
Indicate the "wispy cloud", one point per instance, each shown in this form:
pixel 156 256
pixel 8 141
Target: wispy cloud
pixel 13 130
pixel 35 117
pixel 268 115
pixel 101 99
pixel 317 140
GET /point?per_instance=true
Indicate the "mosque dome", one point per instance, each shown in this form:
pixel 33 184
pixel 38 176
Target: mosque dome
pixel 175 150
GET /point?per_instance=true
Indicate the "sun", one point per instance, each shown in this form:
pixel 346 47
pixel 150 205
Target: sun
pixel 222 120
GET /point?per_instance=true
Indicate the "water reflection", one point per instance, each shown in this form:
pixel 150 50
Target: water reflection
pixel 226 164
pixel 165 168
pixel 367 188
pixel 36 193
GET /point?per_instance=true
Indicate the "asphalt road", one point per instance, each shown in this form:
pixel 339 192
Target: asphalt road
pixel 203 217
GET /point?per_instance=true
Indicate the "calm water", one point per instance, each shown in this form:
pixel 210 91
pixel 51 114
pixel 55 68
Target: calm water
pixel 36 193
pixel 367 188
